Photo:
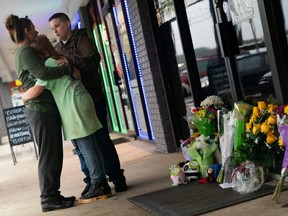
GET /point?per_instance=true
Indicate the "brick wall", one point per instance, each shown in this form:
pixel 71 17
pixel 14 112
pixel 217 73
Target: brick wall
pixel 153 82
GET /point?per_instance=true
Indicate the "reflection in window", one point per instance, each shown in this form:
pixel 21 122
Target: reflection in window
pixel 252 62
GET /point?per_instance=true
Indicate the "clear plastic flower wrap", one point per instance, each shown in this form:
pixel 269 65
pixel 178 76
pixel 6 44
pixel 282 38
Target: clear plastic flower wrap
pixel 226 141
pixel 202 150
pixel 242 111
pixel 247 177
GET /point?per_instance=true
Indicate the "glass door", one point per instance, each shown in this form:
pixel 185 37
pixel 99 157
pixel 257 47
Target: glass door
pixel 132 73
pixel 211 66
pixel 119 80
pixel 252 61
pixel 106 76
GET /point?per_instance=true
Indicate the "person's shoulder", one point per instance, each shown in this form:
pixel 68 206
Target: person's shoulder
pixel 25 50
pixel 81 35
pixel 81 32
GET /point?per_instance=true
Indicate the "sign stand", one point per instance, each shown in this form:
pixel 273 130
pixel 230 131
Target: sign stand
pixel 19 131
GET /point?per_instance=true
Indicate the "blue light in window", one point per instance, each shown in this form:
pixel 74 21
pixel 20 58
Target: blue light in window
pixel 139 69
pixel 116 16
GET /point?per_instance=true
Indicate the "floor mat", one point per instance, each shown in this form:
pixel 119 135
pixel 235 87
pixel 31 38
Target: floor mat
pixel 194 199
pixel 120 140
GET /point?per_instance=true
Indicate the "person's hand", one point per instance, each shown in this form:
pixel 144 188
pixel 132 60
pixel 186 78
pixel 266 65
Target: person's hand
pixel 76 73
pixel 43 36
pixel 24 98
pixel 62 61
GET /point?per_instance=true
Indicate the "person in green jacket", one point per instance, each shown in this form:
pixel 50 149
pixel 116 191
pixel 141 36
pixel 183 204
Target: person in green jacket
pixel 79 119
pixel 41 113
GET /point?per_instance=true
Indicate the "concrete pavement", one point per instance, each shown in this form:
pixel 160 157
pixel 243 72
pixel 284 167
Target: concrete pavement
pixel 146 170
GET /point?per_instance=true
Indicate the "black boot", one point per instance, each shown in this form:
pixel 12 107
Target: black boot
pixel 120 184
pixel 86 189
pixel 99 191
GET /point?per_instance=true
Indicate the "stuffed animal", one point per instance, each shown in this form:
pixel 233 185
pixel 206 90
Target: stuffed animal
pixel 191 170
pixel 210 174
pixel 210 177
pixel 177 175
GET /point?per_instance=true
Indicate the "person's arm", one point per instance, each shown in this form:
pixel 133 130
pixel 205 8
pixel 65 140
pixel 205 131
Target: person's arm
pixel 33 92
pixel 87 56
pixel 31 62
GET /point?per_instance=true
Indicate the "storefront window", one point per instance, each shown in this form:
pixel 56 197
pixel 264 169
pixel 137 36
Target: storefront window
pixel 130 71
pixel 211 67
pixel 105 71
pixel 252 62
pixel 285 13
pixel 119 80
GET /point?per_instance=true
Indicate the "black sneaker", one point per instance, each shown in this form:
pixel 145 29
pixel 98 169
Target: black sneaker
pixel 86 189
pixel 120 185
pixel 98 191
pixel 58 203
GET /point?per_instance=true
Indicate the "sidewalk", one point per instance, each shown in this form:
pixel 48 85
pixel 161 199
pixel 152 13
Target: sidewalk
pixel 146 170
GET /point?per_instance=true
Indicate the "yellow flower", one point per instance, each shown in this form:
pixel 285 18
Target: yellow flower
pixel 272 119
pixel 196 134
pixel 255 111
pixel 201 113
pixel 271 108
pixel 262 105
pixel 248 127
pixel 256 128
pixel 271 138
pixel 280 142
pixel 286 110
pixel 254 118
pixel 265 127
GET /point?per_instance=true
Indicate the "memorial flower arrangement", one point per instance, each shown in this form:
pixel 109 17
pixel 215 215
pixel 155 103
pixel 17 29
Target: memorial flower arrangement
pixel 282 122
pixel 261 142
pixel 205 116
pixel 202 150
pixel 242 112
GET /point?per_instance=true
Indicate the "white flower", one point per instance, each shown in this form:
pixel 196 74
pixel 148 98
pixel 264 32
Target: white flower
pixel 200 142
pixel 212 100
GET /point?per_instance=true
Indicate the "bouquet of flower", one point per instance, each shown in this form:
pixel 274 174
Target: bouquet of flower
pixel 226 142
pixel 242 111
pixel 282 121
pixel 185 144
pixel 205 116
pixel 205 120
pixel 260 144
pixel 202 150
pixel 247 177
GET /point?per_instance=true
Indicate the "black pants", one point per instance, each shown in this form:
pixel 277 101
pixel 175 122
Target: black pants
pixel 110 155
pixel 46 129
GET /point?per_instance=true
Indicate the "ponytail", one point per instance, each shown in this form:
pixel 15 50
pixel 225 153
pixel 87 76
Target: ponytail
pixel 16 27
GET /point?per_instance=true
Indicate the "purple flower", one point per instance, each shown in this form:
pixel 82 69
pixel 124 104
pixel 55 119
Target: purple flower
pixel 280 109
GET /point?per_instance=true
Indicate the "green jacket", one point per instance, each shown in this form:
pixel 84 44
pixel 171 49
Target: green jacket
pixel 29 67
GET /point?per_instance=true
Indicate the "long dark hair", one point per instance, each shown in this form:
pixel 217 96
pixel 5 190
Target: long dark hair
pixel 16 27
pixel 44 48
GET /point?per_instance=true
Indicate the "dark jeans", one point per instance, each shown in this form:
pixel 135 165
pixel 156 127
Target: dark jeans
pixel 46 129
pixel 111 159
pixel 93 157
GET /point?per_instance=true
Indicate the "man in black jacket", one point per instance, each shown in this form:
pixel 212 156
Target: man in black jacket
pixel 80 51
